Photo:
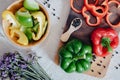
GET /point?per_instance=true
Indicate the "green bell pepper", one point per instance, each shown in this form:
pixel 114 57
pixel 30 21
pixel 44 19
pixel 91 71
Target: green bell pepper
pixel 75 56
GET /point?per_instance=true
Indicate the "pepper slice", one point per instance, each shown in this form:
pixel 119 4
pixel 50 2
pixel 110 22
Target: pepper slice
pixel 76 10
pixel 41 19
pixel 89 5
pixel 88 18
pixel 9 16
pixel 104 40
pixel 110 13
pixel 22 38
pixel 73 8
pixel 94 9
pixel 31 5
pixel 24 17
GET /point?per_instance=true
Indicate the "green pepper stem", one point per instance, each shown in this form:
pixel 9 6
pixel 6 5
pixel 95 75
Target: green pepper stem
pixel 106 43
pixel 79 57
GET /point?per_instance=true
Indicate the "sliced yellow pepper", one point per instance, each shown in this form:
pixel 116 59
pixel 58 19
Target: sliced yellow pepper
pixel 22 38
pixel 41 19
pixel 44 28
pixel 9 16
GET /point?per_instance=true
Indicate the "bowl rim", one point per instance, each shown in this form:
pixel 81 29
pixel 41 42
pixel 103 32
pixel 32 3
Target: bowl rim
pixel 37 42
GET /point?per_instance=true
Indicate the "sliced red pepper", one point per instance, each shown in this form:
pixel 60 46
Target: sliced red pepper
pixel 104 40
pixel 94 9
pixel 77 10
pixel 73 8
pixel 89 5
pixel 88 18
pixel 110 13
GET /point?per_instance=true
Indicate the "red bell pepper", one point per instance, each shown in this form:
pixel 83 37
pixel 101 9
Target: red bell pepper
pixel 104 40
pixel 110 13
pixel 88 18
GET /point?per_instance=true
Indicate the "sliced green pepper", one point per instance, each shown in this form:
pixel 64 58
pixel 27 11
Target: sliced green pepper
pixel 24 17
pixel 28 33
pixel 75 56
pixel 31 5
pixel 35 28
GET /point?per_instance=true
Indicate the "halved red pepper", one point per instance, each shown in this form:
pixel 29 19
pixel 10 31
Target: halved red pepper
pixel 76 10
pixel 98 19
pixel 110 13
pixel 94 9
pixel 104 40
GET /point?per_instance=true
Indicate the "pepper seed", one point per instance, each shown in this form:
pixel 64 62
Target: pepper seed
pixel 48 5
pixel 53 9
pixel 119 65
pixel 104 66
pixel 104 57
pixel 99 73
pixel 92 70
pixel 58 17
pixel 116 67
pixel 116 52
pixel 98 64
pixel 100 61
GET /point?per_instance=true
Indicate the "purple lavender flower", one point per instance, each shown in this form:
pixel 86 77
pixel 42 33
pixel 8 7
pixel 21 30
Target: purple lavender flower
pixel 13 65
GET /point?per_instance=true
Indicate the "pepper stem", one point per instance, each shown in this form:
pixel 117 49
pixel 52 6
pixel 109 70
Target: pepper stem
pixel 106 43
pixel 79 57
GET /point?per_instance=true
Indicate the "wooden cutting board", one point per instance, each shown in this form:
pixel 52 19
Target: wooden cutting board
pixel 99 64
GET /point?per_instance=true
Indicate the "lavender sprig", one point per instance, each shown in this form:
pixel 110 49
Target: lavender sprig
pixel 13 65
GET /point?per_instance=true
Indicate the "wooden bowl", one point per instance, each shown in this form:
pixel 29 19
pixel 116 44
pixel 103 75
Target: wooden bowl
pixel 13 8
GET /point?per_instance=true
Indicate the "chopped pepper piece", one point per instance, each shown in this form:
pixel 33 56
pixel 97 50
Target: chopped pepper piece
pixel 45 26
pixel 31 5
pixel 75 56
pixel 104 40
pixel 24 17
pixel 9 16
pixel 88 18
pixel 28 32
pixel 19 35
pixel 41 19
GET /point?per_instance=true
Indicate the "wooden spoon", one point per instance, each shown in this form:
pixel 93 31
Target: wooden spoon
pixel 75 25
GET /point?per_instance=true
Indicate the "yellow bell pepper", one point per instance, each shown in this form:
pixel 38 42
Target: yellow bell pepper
pixel 9 16
pixel 41 19
pixel 22 38
pixel 44 28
